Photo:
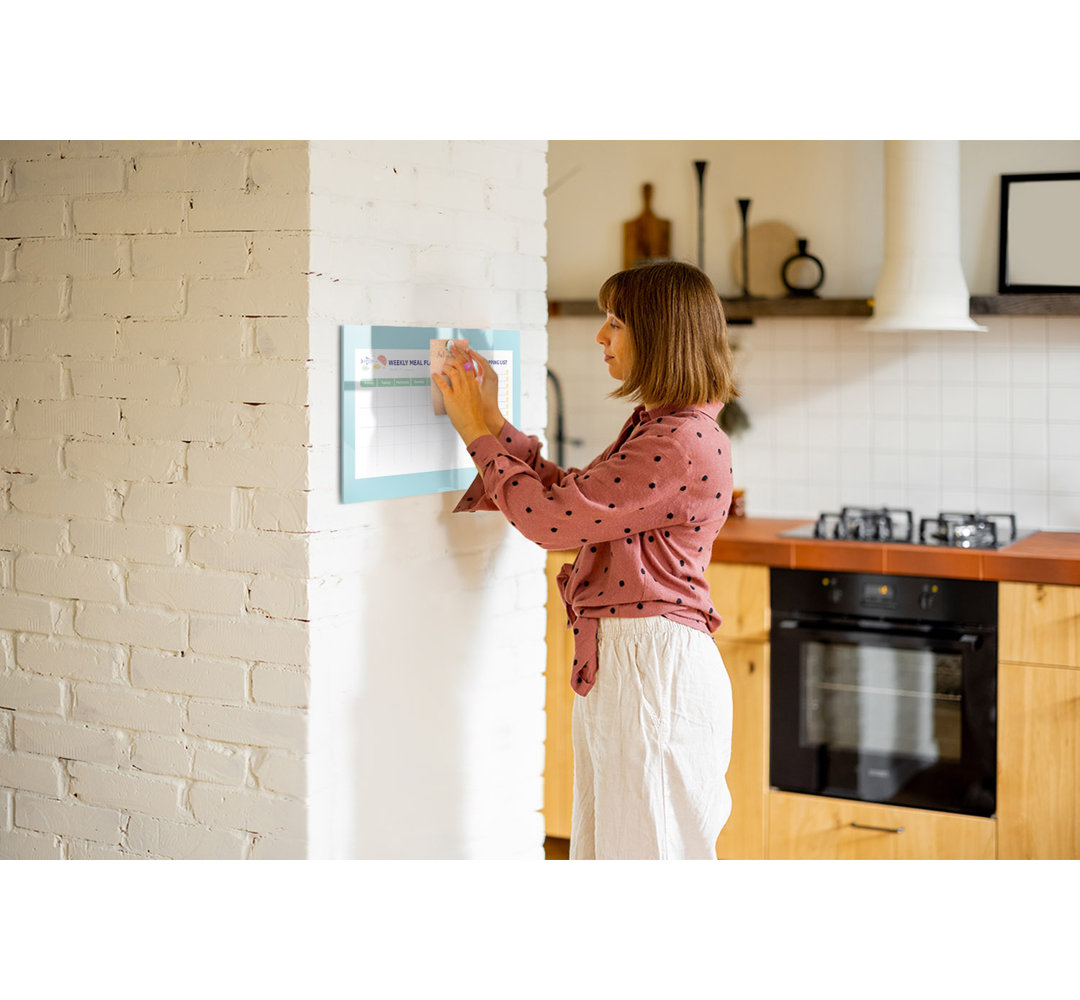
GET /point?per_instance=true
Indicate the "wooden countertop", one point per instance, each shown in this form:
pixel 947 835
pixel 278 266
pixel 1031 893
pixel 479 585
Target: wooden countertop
pixel 1044 557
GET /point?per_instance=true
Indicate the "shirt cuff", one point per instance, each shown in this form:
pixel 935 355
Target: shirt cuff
pixel 482 450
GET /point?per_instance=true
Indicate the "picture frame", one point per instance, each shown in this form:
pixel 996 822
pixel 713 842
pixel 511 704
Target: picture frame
pixel 1039 233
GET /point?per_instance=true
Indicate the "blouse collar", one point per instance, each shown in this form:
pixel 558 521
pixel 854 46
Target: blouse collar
pixel 711 410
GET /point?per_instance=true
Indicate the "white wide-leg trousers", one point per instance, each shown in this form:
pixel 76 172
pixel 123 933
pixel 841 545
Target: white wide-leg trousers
pixel 652 741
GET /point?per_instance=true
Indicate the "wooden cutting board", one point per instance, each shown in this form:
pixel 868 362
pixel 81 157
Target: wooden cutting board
pixel 647 237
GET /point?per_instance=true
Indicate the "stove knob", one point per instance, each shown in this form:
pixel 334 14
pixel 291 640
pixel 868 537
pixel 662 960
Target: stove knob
pixel 928 596
pixel 835 594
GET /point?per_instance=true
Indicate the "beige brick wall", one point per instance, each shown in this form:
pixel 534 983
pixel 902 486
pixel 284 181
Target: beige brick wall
pixel 150 705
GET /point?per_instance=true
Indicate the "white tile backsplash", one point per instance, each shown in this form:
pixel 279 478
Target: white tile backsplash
pixel 992 437
pixel 1064 368
pixel 1063 403
pixel 932 421
pixel 1064 439
pixel 924 437
pixel 1029 402
pixel 1027 367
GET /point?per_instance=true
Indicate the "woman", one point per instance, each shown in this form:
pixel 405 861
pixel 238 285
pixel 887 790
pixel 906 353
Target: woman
pixel 652 728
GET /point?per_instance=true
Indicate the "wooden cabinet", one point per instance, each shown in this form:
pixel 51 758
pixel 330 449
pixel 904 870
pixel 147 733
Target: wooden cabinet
pixel 1038 792
pixel 743 836
pixel 741 595
pixel 559 704
pixel 1039 623
pixel 812 827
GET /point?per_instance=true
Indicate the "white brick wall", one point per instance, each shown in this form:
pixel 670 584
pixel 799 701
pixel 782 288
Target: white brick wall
pixel 417 667
pixel 170 524
pixel 150 706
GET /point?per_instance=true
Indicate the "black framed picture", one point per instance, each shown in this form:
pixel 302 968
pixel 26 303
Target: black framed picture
pixel 1039 250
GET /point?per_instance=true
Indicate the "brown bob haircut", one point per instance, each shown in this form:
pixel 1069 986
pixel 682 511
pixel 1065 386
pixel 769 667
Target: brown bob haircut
pixel 672 312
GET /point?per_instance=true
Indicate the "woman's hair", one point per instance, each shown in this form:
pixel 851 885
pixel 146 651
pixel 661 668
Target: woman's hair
pixel 681 355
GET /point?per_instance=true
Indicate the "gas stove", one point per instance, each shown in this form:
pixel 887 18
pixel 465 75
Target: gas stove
pixel 897 525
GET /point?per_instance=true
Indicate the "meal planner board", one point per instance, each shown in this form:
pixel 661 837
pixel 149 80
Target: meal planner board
pixel 394 442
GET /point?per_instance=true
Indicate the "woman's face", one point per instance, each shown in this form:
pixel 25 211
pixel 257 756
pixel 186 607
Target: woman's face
pixel 614 338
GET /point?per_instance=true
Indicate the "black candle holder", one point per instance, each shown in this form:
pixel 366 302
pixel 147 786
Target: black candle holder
pixel 744 208
pixel 700 166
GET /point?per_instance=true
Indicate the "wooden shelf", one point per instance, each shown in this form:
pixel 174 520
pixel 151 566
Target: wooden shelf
pixel 746 310
pixel 1058 304
pixel 738 310
pixel 742 309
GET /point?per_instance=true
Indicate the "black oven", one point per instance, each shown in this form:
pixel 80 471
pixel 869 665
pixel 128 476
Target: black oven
pixel 884 689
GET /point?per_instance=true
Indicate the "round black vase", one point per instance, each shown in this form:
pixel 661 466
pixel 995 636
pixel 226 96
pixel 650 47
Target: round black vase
pixel 801 288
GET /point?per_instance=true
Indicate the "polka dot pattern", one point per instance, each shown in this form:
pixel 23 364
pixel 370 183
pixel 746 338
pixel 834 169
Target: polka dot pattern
pixel 642 512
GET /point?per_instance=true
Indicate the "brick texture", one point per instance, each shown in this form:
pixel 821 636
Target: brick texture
pixel 188 615
pixel 132 393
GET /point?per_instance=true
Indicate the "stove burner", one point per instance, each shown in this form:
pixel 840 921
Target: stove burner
pixel 968 531
pixel 872 524
pixel 896 525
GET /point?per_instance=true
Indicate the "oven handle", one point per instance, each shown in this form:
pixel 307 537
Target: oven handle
pixel 826 629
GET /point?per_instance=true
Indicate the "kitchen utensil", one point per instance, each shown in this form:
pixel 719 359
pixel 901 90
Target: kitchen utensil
pixel 647 237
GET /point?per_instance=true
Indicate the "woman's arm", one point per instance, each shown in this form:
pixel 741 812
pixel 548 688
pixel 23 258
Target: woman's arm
pixel 647 483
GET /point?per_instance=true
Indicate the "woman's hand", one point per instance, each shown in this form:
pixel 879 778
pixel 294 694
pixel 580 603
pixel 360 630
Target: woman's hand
pixel 463 396
pixel 489 393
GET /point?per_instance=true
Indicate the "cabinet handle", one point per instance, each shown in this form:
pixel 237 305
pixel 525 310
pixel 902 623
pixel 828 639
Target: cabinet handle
pixel 879 829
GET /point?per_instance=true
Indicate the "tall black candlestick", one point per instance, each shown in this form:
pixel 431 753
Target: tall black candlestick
pixel 744 207
pixel 700 166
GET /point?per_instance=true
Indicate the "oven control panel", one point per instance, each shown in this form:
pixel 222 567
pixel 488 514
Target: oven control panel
pixel 801 593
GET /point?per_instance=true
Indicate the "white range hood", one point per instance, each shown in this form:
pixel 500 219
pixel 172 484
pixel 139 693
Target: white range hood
pixel 922 286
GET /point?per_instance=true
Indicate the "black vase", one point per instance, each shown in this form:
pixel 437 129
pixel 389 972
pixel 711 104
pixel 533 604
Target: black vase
pixel 802 273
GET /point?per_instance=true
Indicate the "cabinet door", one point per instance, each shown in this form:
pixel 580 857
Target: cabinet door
pixel 1039 623
pixel 1038 794
pixel 811 827
pixel 743 836
pixel 558 749
pixel 741 596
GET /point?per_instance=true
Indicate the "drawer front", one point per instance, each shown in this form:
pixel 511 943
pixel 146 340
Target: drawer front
pixel 811 827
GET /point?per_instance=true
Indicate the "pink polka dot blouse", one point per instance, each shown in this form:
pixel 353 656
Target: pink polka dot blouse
pixel 644 516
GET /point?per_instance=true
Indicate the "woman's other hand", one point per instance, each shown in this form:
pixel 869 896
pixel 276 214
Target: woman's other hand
pixel 463 396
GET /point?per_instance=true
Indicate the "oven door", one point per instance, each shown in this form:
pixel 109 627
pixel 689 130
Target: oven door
pixel 899 715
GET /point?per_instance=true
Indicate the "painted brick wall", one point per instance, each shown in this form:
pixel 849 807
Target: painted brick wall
pixel 427 723
pixel 203 653
pixel 153 385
